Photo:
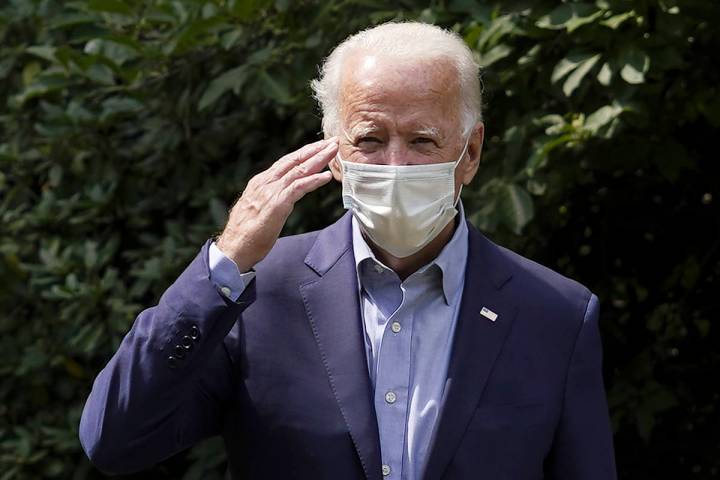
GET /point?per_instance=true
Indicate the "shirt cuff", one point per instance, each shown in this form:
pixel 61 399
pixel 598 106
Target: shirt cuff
pixel 225 274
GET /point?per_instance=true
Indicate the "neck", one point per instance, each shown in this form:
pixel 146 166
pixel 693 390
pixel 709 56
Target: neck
pixel 406 266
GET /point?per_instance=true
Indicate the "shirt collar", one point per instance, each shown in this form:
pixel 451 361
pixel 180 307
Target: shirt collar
pixel 451 260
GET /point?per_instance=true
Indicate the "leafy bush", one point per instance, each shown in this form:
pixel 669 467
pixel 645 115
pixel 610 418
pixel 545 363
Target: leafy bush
pixel 129 127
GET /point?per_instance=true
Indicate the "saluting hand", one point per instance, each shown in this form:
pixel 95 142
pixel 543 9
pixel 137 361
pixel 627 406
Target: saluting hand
pixel 257 218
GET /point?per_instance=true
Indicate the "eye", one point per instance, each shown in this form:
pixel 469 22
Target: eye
pixel 424 141
pixel 368 140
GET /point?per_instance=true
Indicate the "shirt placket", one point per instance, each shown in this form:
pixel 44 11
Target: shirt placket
pixel 392 386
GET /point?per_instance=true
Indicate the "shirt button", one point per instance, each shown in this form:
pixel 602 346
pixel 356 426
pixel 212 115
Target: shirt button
pixel 390 397
pixel 379 268
pixel 226 291
pixel 395 327
pixel 386 470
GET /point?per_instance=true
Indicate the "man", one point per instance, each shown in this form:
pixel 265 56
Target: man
pixel 396 343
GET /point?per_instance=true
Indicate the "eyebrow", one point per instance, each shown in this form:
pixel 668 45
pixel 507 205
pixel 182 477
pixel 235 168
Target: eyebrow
pixel 363 130
pixel 432 132
pixel 360 131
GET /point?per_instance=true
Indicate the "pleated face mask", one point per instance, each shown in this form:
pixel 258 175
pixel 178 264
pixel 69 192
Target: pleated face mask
pixel 401 208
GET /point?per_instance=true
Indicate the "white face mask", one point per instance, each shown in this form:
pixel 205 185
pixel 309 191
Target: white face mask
pixel 401 208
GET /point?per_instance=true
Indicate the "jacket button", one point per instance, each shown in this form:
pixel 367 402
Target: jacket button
pixel 172 362
pixel 179 351
pixel 194 332
pixel 187 342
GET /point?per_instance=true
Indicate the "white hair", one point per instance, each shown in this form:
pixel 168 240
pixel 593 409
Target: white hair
pixel 408 41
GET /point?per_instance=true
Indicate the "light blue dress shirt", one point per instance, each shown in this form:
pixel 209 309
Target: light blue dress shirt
pixel 409 329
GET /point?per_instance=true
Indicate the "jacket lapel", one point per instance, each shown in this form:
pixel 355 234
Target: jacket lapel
pixel 333 309
pixel 477 343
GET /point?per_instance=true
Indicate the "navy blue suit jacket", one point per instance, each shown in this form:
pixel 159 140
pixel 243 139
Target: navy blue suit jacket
pixel 282 374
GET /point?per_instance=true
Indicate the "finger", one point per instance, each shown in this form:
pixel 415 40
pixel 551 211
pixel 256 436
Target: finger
pixel 312 165
pixel 282 166
pixel 304 185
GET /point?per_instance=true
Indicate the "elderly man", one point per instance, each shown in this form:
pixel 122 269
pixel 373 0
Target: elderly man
pixel 398 342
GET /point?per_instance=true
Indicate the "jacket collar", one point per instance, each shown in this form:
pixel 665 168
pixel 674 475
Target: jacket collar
pixel 477 344
pixel 333 310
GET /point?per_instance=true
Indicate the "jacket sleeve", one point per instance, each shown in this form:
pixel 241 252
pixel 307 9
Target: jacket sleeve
pixel 583 444
pixel 165 387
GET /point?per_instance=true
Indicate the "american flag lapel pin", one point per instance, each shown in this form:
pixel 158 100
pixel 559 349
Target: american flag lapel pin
pixel 489 314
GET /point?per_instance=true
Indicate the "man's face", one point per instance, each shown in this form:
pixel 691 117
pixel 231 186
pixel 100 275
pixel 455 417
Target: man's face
pixel 403 114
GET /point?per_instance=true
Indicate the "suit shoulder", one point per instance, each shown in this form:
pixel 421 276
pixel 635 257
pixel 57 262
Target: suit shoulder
pixel 288 251
pixel 295 244
pixel 543 286
pixel 541 273
pixel 293 259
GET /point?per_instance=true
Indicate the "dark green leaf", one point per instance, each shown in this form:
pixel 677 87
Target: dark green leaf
pixel 515 207
pixel 274 88
pixel 44 52
pixel 605 74
pixel 602 117
pixel 494 54
pixel 570 16
pixel 109 6
pixel 568 64
pixel 231 80
pixel 635 63
pixel 616 20
pixel 574 79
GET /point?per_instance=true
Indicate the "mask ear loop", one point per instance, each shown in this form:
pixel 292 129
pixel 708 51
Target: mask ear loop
pixel 457 162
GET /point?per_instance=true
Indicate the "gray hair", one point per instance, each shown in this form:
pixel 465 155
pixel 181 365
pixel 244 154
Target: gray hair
pixel 412 41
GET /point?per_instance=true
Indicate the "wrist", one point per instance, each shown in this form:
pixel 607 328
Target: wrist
pixel 233 251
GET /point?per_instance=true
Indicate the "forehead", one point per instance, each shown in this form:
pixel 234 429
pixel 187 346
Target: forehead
pixel 385 91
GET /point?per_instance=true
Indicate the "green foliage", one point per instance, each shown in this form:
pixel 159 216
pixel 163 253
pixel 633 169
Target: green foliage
pixel 129 127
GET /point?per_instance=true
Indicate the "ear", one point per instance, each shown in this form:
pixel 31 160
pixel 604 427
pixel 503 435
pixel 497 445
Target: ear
pixel 335 169
pixel 474 152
